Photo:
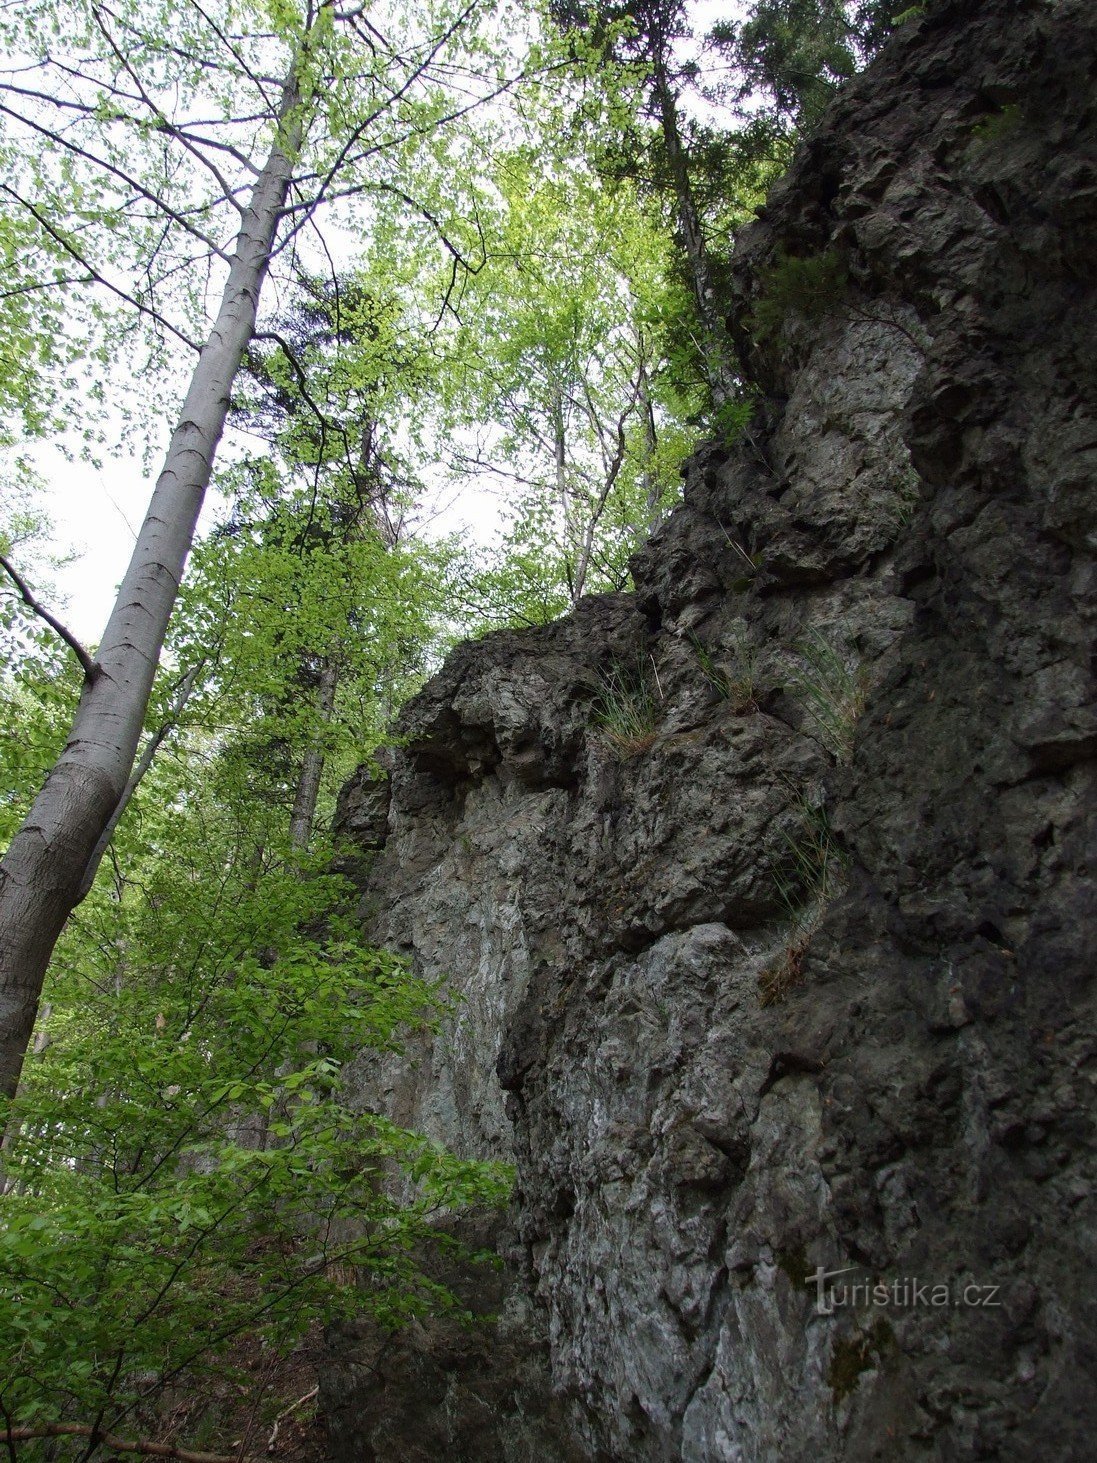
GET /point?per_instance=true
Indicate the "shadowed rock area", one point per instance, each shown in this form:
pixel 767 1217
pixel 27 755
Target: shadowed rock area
pixel 800 973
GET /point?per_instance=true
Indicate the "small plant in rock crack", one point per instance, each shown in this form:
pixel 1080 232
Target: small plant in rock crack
pixel 816 871
pixel 830 686
pixel 750 563
pixel 738 682
pixel 628 706
pixel 807 288
pixel 905 502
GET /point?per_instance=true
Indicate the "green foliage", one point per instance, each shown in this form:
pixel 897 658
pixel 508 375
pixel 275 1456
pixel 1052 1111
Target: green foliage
pixel 39 680
pixel 808 288
pixel 628 707
pixel 796 53
pixel 561 388
pixel 731 420
pixel 185 1165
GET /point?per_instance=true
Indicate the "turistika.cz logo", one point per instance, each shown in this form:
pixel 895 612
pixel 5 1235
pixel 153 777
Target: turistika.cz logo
pixel 904 1292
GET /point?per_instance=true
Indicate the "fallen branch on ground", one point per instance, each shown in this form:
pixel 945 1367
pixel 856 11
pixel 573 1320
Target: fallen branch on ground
pixel 107 1440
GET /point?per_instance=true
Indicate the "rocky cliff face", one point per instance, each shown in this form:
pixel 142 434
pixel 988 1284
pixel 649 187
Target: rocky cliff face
pixel 796 971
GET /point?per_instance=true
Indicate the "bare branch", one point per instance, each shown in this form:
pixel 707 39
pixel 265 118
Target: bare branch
pixel 285 1412
pixel 88 664
pixel 94 274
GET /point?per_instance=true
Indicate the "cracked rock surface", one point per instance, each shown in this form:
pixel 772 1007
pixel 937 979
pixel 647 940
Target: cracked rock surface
pixel 806 978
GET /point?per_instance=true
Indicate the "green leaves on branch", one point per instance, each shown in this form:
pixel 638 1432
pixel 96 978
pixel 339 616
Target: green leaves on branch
pixel 186 1167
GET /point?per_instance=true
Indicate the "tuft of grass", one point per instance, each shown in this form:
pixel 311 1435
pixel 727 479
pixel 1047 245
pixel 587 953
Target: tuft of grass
pixel 816 872
pixel 628 707
pixel 737 683
pixel 830 686
pixel 998 124
pixel 907 499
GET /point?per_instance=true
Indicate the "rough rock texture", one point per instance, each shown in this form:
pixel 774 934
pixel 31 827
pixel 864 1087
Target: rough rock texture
pixel 716 1063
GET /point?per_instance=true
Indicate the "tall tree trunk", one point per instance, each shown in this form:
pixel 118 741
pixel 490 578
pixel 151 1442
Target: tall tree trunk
pixel 653 489
pixel 312 764
pixel 714 347
pixel 42 871
pixel 559 445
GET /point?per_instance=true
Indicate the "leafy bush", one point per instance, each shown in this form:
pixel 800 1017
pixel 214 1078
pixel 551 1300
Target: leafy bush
pixel 184 1168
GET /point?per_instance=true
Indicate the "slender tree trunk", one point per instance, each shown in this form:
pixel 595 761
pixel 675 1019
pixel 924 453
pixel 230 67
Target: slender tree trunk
pixel 714 336
pixel 312 765
pixel 559 444
pixel 42 871
pixel 137 776
pixel 649 476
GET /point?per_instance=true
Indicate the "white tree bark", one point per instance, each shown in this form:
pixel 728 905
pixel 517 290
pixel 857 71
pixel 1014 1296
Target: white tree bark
pixel 42 872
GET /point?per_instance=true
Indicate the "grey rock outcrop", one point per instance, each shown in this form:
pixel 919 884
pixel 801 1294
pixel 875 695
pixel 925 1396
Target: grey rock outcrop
pixel 802 976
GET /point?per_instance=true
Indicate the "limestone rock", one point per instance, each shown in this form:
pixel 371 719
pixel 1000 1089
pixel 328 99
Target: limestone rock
pixel 704 1103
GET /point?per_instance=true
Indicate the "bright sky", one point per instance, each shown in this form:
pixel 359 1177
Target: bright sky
pixel 96 514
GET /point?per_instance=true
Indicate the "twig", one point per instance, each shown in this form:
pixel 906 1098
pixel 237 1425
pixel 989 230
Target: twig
pixel 107 1440
pixel 90 667
pixel 285 1412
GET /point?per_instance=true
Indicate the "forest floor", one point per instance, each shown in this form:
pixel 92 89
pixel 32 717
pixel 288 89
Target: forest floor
pixel 257 1406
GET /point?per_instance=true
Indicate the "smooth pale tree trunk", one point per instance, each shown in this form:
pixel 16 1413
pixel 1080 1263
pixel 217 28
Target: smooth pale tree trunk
pixel 42 872
pixel 137 776
pixel 714 347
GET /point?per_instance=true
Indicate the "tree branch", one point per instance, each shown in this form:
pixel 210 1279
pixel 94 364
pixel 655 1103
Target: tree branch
pixel 107 1440
pixel 89 665
pixel 94 275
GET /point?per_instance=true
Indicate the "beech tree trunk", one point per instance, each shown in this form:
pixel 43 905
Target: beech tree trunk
pixel 42 872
